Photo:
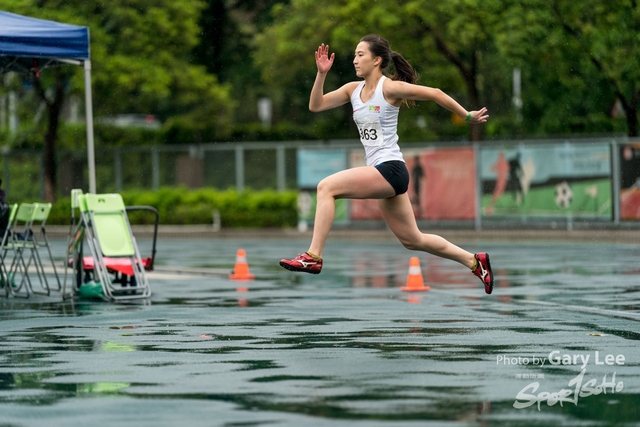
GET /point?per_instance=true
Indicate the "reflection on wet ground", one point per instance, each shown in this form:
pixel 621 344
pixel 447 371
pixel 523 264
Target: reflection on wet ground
pixel 346 347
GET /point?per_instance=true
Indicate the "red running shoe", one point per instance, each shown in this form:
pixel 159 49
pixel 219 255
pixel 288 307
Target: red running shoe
pixel 303 262
pixel 483 271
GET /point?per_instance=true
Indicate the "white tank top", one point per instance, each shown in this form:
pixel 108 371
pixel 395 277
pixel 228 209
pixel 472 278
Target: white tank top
pixel 377 122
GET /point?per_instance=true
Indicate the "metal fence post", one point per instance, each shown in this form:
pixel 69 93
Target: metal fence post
pixel 155 168
pixel 239 168
pixel 41 173
pixel 6 182
pixel 281 168
pixel 117 160
pixel 615 181
pixel 478 219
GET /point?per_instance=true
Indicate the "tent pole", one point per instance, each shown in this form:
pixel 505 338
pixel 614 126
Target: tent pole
pixel 89 118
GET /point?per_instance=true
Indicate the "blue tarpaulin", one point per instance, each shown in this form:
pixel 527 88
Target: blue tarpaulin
pixel 29 44
pixel 23 36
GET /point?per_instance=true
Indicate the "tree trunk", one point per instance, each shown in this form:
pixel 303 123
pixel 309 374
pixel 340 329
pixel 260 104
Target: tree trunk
pixel 631 111
pixel 49 160
pixel 476 132
pixel 632 122
pixel 469 74
pixel 54 108
pixel 630 107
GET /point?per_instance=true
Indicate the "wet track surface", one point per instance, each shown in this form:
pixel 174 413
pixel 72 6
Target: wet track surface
pixel 346 347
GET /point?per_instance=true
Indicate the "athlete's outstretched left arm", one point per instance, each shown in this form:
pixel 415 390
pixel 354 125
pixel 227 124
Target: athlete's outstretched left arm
pixel 395 90
pixel 318 100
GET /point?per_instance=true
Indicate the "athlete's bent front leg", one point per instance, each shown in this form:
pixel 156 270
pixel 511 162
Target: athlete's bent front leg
pixel 398 213
pixel 325 214
pixel 357 183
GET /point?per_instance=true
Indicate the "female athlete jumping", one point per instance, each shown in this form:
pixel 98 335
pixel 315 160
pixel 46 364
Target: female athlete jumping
pixel 376 101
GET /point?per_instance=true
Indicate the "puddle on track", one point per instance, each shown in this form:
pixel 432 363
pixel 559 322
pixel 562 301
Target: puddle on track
pixel 346 347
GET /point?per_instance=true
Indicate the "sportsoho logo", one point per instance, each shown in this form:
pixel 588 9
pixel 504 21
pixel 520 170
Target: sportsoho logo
pixel 578 387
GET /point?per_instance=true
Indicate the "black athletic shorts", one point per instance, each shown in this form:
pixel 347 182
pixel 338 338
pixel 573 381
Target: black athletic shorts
pixel 396 173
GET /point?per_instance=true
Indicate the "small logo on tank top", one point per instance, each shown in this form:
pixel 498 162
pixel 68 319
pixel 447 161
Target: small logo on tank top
pixel 374 108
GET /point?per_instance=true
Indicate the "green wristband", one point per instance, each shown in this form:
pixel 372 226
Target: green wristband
pixel 468 116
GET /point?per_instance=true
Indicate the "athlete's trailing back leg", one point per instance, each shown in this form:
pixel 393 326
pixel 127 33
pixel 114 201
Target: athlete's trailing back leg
pixel 398 214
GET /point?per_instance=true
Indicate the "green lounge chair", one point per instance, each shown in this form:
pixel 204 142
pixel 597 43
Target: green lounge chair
pixel 22 242
pixel 115 262
pixel 6 245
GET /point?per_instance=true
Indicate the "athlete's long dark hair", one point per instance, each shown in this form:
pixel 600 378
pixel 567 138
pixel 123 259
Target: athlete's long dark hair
pixel 403 70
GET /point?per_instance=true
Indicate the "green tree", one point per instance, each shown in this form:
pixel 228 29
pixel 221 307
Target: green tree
pixel 577 58
pixel 606 33
pixel 140 52
pixel 226 47
pixel 458 30
pixel 463 32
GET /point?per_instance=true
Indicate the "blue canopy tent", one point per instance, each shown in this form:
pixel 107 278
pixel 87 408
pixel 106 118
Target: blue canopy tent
pixel 28 43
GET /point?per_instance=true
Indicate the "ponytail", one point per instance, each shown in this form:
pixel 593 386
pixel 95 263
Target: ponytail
pixel 403 70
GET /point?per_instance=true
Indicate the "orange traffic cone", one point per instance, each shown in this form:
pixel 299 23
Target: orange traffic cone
pixel 415 282
pixel 241 269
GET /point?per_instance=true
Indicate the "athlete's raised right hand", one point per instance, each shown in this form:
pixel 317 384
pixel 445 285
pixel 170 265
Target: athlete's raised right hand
pixel 323 60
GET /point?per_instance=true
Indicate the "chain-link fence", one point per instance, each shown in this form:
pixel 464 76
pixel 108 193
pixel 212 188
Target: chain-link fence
pixel 256 166
pixel 604 171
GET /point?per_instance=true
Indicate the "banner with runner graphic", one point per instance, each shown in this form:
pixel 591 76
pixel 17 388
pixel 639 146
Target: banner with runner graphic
pixel 547 180
pixel 442 185
pixel 630 181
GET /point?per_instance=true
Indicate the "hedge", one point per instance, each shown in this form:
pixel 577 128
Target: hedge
pixel 247 209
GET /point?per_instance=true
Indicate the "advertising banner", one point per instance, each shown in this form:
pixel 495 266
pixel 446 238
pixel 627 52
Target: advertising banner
pixel 547 180
pixel 630 181
pixel 442 184
pixel 307 201
pixel 363 210
pixel 315 165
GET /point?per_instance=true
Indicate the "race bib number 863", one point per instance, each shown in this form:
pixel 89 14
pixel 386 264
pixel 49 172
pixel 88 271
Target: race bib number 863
pixel 370 131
